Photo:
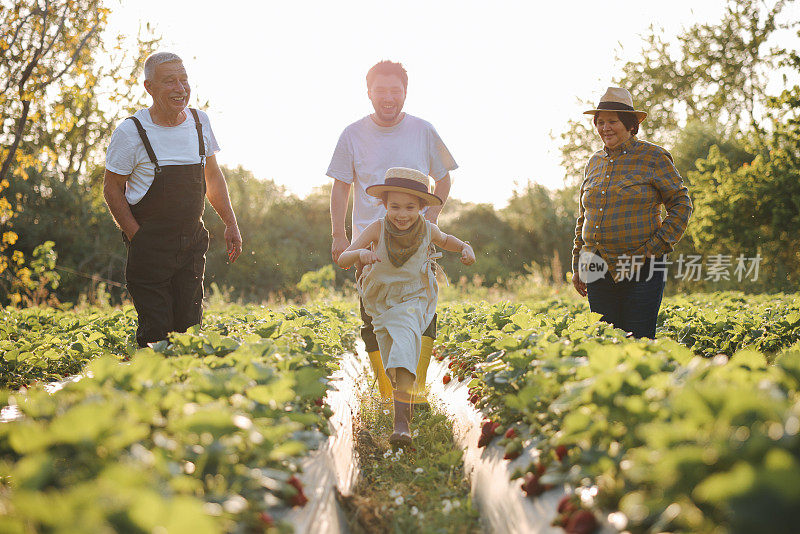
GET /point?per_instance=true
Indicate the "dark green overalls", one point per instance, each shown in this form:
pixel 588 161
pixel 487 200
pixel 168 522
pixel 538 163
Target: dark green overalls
pixel 166 257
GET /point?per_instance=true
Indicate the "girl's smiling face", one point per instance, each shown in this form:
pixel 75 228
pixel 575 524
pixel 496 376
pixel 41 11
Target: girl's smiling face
pixel 402 209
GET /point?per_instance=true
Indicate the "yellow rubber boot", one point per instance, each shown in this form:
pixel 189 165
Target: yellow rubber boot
pixel 420 397
pixel 384 385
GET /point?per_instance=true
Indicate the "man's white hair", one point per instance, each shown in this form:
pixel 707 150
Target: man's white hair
pixel 156 59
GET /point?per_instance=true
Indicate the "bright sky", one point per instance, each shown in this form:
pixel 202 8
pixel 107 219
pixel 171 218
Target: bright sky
pixel 499 80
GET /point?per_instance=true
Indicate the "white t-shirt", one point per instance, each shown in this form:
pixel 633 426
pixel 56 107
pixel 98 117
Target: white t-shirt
pixel 365 152
pixel 173 145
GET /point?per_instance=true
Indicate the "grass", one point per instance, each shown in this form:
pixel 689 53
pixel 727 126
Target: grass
pixel 422 489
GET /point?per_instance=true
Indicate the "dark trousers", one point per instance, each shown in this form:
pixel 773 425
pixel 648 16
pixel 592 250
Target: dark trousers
pixel 630 305
pixel 368 334
pixel 166 285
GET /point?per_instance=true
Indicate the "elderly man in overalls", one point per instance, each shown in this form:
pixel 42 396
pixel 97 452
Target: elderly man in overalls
pixel 160 166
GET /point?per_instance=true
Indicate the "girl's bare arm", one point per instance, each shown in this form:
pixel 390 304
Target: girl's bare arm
pixel 352 254
pixel 452 244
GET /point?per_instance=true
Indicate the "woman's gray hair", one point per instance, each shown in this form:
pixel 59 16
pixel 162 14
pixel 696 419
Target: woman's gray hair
pixel 156 59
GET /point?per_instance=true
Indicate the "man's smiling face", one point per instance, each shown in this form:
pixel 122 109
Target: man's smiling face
pixel 388 96
pixel 169 87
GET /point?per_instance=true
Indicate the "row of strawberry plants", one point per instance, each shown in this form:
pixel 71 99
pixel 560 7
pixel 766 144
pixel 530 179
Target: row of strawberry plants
pixel 667 439
pixel 203 433
pixel 726 322
pixel 46 344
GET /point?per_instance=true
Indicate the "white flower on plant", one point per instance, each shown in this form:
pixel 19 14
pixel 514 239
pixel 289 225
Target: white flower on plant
pixel 242 421
pixel 419 470
pixel 387 454
pixel 447 506
pixel 414 510
pixel 385 412
pixel 399 501
pixel 400 451
pixel 618 520
pixel 415 434
pixel 394 458
pixel 212 508
pixel 235 505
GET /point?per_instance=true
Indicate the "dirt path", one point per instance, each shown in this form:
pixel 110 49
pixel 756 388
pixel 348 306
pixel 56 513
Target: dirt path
pixel 421 489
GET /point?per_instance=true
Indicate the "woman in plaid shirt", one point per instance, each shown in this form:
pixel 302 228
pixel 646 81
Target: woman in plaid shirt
pixel 620 237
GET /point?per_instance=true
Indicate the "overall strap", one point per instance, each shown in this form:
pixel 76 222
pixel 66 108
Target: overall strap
pixel 201 143
pixel 147 146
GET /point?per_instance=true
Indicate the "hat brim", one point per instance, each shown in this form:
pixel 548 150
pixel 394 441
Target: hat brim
pixel 378 191
pixel 639 114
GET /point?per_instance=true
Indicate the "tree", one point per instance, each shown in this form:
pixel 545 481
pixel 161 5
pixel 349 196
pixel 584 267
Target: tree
pixel 754 208
pixel 63 91
pixel 717 75
pixel 544 221
pixel 497 247
pixel 43 41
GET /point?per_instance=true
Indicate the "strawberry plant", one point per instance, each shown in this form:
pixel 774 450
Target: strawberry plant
pixel 673 437
pixel 45 344
pixel 204 432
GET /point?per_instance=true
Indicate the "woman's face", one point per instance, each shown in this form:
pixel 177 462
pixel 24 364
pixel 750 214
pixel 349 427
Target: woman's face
pixel 402 209
pixel 611 129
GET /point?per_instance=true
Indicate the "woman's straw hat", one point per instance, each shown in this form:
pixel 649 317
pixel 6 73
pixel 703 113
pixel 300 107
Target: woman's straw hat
pixel 617 99
pixel 405 180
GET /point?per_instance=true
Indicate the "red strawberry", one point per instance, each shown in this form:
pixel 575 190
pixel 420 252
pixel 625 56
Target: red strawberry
pixel 318 401
pixel 581 522
pixel 561 452
pixel 531 486
pixel 445 379
pixel 511 433
pixel 567 504
pixel 486 427
pixel 488 432
pixel 267 519
pixel 475 398
pixel 450 365
pixel 299 498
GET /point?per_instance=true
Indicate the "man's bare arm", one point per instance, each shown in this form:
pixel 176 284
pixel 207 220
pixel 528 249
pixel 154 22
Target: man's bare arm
pixel 441 190
pixel 340 192
pixel 114 194
pixel 217 193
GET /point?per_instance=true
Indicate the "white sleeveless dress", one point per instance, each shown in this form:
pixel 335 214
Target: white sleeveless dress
pixel 401 301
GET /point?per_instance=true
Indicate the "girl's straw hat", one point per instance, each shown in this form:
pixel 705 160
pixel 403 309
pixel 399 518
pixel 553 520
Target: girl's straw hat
pixel 617 99
pixel 405 180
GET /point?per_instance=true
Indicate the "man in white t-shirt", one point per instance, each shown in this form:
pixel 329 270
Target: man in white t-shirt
pixel 160 167
pixel 366 149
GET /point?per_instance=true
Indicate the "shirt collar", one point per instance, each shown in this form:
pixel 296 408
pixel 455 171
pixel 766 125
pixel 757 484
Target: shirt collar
pixel 625 147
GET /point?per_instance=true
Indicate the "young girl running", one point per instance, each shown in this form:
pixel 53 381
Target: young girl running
pixel 398 281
